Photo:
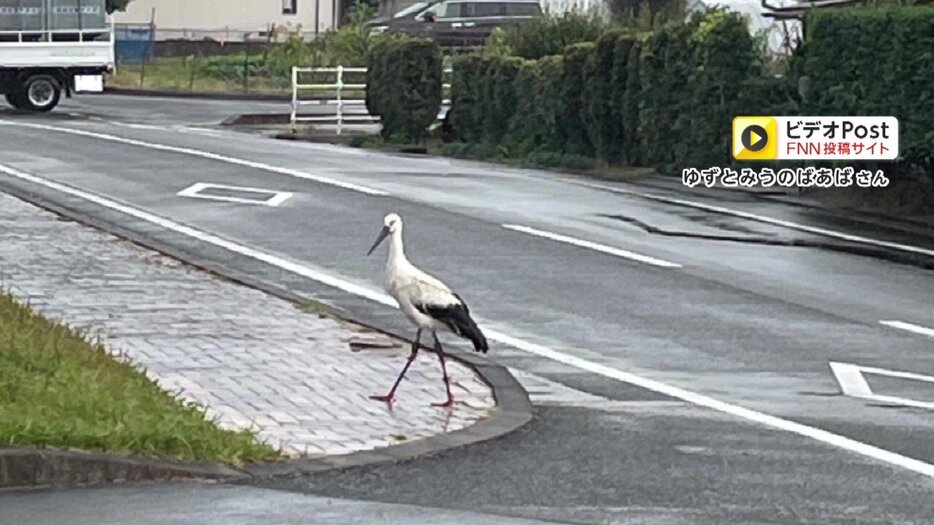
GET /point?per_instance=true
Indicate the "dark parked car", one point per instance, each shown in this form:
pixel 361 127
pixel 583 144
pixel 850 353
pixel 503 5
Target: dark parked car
pixel 459 23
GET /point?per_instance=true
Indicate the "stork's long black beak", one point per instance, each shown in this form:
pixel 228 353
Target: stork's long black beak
pixel 382 235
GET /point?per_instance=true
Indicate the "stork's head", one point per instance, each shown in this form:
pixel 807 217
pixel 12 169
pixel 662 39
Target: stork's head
pixel 392 223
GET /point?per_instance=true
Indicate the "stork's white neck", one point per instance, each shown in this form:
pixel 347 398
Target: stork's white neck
pixel 397 249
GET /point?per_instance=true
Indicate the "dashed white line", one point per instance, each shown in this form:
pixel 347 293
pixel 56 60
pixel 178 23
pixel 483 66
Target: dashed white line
pixel 761 218
pixel 823 436
pixel 914 328
pixel 592 246
pixel 206 155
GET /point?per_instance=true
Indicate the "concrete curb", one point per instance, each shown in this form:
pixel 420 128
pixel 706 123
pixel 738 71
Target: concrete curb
pixel 32 468
pixel 513 408
pixel 256 97
pixel 257 119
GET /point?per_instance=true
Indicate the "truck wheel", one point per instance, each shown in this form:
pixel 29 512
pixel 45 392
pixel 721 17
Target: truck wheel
pixel 16 100
pixel 42 93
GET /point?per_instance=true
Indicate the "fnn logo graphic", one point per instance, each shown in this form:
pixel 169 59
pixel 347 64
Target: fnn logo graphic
pixel 815 138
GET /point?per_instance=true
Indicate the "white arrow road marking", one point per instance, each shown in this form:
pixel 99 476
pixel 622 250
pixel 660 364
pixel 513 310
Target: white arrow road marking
pixel 918 329
pixel 365 290
pixel 205 155
pixel 853 383
pixel 194 191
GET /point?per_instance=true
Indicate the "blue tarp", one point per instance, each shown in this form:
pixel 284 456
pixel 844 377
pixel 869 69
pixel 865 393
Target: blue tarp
pixel 134 43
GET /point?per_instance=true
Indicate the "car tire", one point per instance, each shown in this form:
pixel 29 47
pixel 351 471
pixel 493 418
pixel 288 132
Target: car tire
pixel 41 93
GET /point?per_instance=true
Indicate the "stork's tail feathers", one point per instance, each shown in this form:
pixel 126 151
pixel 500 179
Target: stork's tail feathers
pixel 457 318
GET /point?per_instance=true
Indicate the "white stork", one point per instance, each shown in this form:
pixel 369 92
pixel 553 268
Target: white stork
pixel 425 301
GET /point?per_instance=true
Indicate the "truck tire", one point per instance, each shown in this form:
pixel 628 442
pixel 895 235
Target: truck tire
pixel 16 100
pixel 41 93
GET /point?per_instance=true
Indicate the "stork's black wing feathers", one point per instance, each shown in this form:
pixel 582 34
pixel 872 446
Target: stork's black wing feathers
pixel 457 317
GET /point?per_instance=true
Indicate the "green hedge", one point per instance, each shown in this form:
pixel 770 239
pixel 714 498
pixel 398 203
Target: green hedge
pixel 468 98
pixel 725 61
pixel 550 34
pixel 570 101
pixel 665 99
pixel 628 85
pixel 876 62
pixel 404 77
pixel 542 123
pixel 529 118
pixel 666 65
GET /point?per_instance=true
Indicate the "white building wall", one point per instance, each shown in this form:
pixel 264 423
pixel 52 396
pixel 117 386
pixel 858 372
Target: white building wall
pixel 229 20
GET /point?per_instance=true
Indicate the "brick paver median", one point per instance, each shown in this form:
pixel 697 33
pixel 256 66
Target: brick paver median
pixel 301 380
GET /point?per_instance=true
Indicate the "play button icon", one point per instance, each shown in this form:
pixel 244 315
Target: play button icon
pixel 754 137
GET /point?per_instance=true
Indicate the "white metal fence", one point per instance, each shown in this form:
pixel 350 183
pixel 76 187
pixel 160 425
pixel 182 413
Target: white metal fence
pixel 339 102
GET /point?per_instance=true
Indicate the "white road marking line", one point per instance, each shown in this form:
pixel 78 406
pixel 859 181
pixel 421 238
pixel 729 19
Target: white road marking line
pixel 200 131
pixel 761 218
pixel 194 191
pixel 851 380
pixel 592 245
pixel 207 155
pixel 853 383
pixel 823 436
pixel 918 329
pixel 133 125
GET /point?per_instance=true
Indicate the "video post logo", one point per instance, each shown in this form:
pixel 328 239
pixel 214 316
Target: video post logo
pixel 814 138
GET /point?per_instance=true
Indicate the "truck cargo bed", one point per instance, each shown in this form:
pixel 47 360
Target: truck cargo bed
pixel 56 54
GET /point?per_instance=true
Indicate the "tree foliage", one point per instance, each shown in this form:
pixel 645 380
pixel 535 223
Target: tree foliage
pixel 117 5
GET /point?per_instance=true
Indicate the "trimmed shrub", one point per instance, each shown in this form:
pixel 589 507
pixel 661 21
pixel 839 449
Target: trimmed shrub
pixel 603 89
pixel 502 101
pixel 549 34
pixel 534 126
pixel 726 60
pixel 629 89
pixel 404 87
pixel 570 102
pixel 376 81
pixel 666 65
pixel 524 127
pixel 876 62
pixel 548 76
pixel 467 97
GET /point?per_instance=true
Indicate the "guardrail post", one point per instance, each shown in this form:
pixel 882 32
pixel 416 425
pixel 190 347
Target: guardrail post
pixel 340 102
pixel 294 113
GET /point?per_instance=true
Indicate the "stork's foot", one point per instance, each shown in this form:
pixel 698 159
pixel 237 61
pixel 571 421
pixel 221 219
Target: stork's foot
pixel 447 404
pixel 388 398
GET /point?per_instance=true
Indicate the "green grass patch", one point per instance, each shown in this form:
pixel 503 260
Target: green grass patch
pixel 58 389
pixel 197 75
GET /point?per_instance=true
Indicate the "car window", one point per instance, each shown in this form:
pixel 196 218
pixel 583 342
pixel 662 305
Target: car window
pixel 523 9
pixel 447 9
pixel 411 10
pixel 481 9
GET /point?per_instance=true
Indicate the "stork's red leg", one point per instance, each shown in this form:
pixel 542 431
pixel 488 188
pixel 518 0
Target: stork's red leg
pixel 388 398
pixel 444 372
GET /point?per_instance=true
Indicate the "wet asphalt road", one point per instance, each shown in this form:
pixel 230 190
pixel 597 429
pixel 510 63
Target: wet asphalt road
pixel 742 315
pixel 184 503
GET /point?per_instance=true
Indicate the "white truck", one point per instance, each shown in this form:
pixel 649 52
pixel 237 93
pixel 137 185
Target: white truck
pixel 53 47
